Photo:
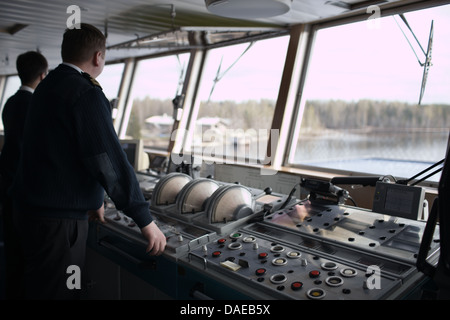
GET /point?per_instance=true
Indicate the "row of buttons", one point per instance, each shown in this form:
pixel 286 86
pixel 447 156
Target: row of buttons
pixel 279 279
pixel 314 293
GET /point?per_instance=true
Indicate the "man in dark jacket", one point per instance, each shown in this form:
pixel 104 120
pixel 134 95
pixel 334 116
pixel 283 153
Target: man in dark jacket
pixel 31 68
pixel 71 155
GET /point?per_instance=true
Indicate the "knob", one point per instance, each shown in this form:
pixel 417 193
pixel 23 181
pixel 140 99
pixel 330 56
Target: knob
pixel 268 190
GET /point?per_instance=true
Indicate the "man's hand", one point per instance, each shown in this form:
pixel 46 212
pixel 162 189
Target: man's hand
pixel 156 239
pixel 97 215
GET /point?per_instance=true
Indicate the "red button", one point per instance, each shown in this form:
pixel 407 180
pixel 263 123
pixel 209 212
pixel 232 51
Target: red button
pixel 262 255
pixel 296 285
pixel 216 254
pixel 221 241
pixel 260 272
pixel 314 273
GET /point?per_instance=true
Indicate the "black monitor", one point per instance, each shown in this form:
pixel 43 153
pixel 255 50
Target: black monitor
pixel 134 149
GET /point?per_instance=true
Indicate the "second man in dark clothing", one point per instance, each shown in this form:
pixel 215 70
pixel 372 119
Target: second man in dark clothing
pixel 31 68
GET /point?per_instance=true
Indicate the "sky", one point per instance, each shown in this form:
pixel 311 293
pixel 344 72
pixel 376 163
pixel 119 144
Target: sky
pixel 382 65
pixel 254 75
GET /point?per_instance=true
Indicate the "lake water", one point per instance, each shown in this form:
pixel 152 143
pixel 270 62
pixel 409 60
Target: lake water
pixel 398 154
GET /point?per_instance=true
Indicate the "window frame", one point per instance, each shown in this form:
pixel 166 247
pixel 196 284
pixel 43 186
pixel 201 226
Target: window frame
pixel 187 144
pixel 3 98
pixel 115 109
pixel 130 72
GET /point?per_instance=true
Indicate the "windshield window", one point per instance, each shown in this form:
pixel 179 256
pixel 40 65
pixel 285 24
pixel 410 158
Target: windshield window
pixel 361 109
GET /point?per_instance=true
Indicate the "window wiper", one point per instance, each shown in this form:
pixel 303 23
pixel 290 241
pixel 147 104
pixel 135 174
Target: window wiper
pixel 427 63
pixel 219 75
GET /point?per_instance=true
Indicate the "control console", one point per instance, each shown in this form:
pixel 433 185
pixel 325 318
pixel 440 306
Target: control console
pixel 266 245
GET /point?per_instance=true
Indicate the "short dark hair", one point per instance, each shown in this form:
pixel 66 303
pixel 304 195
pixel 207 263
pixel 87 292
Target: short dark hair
pixel 30 65
pixel 79 45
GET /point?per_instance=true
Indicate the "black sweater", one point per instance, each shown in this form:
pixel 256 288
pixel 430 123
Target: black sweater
pixel 13 116
pixel 71 153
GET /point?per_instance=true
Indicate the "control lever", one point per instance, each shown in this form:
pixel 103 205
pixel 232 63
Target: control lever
pixel 421 263
pixel 357 180
pixel 326 189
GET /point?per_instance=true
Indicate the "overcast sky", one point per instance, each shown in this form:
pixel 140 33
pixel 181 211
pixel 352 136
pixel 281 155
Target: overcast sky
pixel 356 61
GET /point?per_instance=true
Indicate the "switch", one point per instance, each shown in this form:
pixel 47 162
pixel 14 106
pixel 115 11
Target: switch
pixel 262 255
pixel 230 265
pixel 293 254
pixel 315 293
pixel 314 274
pixel 297 285
pixel 260 271
pixel 243 263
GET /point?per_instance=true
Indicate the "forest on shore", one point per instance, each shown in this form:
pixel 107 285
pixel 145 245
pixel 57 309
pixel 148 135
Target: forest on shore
pixel 362 115
pixel 375 115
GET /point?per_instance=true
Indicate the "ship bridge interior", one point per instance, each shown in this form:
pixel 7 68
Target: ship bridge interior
pixel 284 98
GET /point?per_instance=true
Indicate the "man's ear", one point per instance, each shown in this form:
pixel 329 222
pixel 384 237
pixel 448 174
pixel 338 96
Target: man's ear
pixel 97 56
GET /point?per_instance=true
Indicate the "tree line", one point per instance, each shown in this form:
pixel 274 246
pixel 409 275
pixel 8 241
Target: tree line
pixel 317 115
pixel 245 115
pixel 374 115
